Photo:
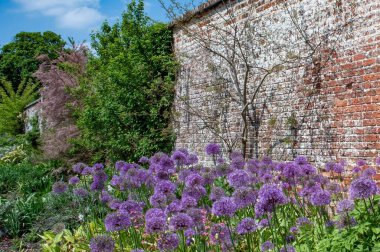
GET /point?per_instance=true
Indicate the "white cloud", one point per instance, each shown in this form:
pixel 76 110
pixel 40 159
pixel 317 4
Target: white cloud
pixel 73 14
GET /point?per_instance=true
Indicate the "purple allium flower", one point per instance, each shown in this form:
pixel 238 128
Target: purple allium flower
pixel 168 242
pixel 329 224
pixel 165 187
pixel 338 168
pixel 78 167
pixel 189 233
pixel 217 193
pixel 237 163
pixel 301 160
pixel 333 188
pixel 269 196
pixel 362 188
pixel 196 192
pixel 181 221
pixel 308 169
pixel 224 207
pixel 292 171
pixel 80 192
pixel 117 221
pixel 192 159
pixel 288 248
pixel 356 169
pixel 239 178
pixel 120 164
pixel 244 196
pixel 155 225
pixel 345 205
pixel 264 223
pixel 377 161
pixel 293 229
pixel 179 157
pixel 369 172
pixel 329 166
pixel 59 187
pixel 198 215
pixel 212 149
pixel 174 207
pixel 219 233
pixel 158 200
pixel 290 238
pixel 220 160
pixel 132 207
pixel 87 171
pixel 155 213
pixel 188 201
pixel 106 197
pixel 144 160
pixel 361 162
pixel 345 221
pixel 246 226
pixel 98 167
pixel 137 250
pixel 303 221
pixel 102 243
pixel 194 179
pixel 74 180
pixel 320 198
pixel 266 246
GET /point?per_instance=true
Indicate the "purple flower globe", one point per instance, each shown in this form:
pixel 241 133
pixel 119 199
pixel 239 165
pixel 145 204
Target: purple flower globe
pixel 246 226
pixel 212 149
pixel 266 246
pixel 59 187
pixel 224 207
pixel 320 198
pixel 168 242
pixel 117 221
pixel 102 243
pixel 362 188
pixel 181 221
pixel 345 206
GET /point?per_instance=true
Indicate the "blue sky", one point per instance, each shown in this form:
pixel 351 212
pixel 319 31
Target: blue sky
pixel 69 18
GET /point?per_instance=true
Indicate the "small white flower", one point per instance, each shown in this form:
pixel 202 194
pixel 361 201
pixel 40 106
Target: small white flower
pixel 110 188
pixel 81 217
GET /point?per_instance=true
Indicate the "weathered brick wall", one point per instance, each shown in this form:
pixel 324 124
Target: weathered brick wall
pixel 326 109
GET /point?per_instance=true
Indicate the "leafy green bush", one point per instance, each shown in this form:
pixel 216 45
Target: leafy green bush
pixel 128 94
pixel 12 104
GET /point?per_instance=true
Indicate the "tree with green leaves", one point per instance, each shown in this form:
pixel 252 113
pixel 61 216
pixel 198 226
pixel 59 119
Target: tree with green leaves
pixel 12 104
pixel 18 59
pixel 125 112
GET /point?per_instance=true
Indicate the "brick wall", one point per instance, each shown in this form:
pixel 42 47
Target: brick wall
pixel 327 107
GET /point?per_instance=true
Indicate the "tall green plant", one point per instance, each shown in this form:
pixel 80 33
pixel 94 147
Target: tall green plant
pixel 127 101
pixel 12 104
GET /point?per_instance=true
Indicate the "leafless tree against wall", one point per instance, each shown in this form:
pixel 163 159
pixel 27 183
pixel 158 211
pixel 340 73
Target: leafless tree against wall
pixel 244 51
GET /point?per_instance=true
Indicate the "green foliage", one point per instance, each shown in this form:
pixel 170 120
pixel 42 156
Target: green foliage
pixel 363 236
pixel 15 156
pixel 18 59
pixel 130 89
pixel 12 104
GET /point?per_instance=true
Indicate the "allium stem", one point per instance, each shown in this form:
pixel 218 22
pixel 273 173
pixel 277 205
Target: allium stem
pixel 230 233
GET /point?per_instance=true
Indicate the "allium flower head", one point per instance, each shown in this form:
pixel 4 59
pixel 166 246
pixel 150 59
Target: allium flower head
pixel 158 200
pixel 377 161
pixel 196 192
pixel 74 180
pixel 303 221
pixel 362 188
pixel 102 243
pixel 361 162
pixel 87 170
pixel 292 171
pixel 269 196
pixel 188 201
pixel 237 163
pixel 224 207
pixel 219 234
pixel 329 166
pixel 165 187
pixel 320 198
pixel 345 205
pixel 244 196
pixel 264 223
pixel 80 192
pixel 238 178
pixel 288 248
pixel 266 246
pixel 212 149
pixel 179 158
pixel 301 160
pixel 144 160
pixel 192 159
pixel 217 193
pixel 194 179
pixel 155 225
pixel 369 172
pixel 174 207
pixel 78 167
pixel 181 221
pixel 133 208
pixel 117 221
pixel 356 169
pixel 246 226
pixel 168 242
pixel 154 213
pixel 59 187
pixel 338 168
